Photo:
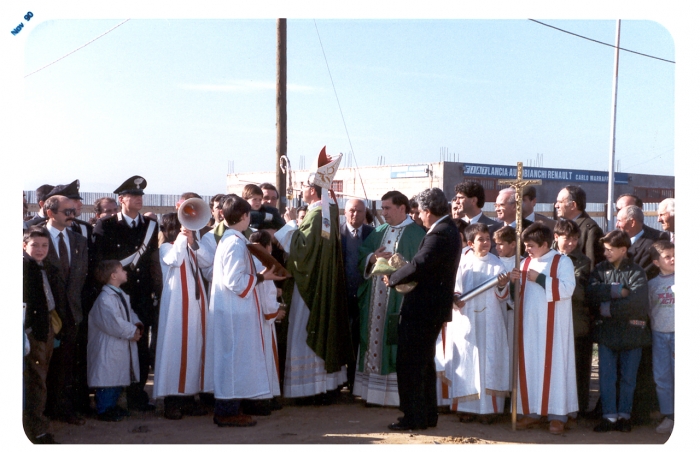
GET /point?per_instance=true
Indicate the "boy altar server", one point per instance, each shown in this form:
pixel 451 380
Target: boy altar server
pixel 546 364
pixel 477 373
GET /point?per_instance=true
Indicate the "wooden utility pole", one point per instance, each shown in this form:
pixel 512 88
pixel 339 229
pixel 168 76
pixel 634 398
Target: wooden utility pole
pixel 280 181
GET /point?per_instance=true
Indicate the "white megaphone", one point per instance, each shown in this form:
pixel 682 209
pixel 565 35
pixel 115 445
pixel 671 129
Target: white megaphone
pixel 194 214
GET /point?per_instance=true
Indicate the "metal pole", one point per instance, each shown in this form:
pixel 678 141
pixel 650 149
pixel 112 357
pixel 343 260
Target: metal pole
pixel 611 170
pixel 280 181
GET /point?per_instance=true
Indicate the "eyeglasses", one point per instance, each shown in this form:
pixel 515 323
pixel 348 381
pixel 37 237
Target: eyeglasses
pixel 68 212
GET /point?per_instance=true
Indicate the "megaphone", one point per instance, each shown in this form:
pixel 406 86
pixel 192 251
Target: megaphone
pixel 194 214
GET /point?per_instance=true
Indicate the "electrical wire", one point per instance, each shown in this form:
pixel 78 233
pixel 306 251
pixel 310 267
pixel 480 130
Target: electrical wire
pixel 600 42
pixel 84 45
pixel 352 151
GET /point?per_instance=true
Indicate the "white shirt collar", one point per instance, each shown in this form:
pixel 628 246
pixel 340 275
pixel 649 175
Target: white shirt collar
pixel 431 227
pixel 474 219
pixel 531 217
pixel 639 234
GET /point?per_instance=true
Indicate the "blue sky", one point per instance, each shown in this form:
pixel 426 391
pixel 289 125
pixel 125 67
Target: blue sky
pixel 176 100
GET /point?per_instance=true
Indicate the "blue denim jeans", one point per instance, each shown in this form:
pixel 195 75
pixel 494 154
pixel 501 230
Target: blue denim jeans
pixel 608 361
pixel 106 398
pixel 663 351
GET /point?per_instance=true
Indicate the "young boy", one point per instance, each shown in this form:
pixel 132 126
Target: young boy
pixel 272 311
pixel 234 363
pixel 566 235
pixel 504 239
pixel 478 369
pixel 546 334
pixel 113 330
pixel 662 301
pixel 261 216
pixel 39 307
pixel 619 297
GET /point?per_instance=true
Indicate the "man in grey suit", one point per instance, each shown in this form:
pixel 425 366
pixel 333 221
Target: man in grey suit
pixel 470 198
pixel 68 254
pixel 352 233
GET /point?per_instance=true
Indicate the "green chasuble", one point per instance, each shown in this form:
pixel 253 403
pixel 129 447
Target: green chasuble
pixel 409 242
pixel 316 265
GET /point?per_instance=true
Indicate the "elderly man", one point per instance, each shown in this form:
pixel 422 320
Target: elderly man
pixel 506 211
pixel 376 362
pixel 628 199
pixel 470 198
pixel 132 238
pixel 68 252
pixel 352 234
pixel 667 212
pixel 424 310
pixel 571 204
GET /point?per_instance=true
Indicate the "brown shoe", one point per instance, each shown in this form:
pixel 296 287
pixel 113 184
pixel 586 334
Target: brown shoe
pixel 527 422
pixel 239 420
pixel 556 427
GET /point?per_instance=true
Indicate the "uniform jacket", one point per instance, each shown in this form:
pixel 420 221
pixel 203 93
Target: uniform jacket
pixel 115 239
pixel 628 326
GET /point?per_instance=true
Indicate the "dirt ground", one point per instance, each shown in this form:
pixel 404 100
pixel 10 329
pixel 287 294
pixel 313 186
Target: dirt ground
pixel 347 422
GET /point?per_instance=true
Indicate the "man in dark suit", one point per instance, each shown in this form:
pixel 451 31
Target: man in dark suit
pixel 529 201
pixel 132 238
pixel 81 394
pixel 571 204
pixel 352 234
pixel 68 254
pixel 470 197
pixel 424 310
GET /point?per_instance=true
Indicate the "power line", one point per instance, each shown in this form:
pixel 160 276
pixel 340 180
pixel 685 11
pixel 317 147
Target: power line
pixel 352 151
pixel 600 42
pixel 84 45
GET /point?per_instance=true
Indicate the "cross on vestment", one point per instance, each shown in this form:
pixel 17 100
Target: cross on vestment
pixel 518 184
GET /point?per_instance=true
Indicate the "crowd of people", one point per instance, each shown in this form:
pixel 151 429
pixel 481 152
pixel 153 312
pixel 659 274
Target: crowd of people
pixel 259 304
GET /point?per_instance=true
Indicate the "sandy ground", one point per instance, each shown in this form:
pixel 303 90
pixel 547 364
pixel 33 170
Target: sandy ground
pixel 347 422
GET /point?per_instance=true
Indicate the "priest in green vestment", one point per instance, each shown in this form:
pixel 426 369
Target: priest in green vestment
pixel 375 380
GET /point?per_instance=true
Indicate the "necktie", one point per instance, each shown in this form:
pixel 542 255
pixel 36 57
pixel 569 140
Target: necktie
pixel 63 255
pixel 133 224
pixel 354 233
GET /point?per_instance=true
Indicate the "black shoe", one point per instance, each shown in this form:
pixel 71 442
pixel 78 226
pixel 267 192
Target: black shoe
pixel 605 426
pixel 173 413
pixel 111 415
pixel 275 404
pixel 46 438
pixel 400 426
pixel 430 423
pixel 623 425
pixel 256 407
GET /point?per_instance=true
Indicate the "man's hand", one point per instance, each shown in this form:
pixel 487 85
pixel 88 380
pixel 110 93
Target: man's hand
pixel 268 274
pixel 187 233
pixel 379 253
pixel 290 214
